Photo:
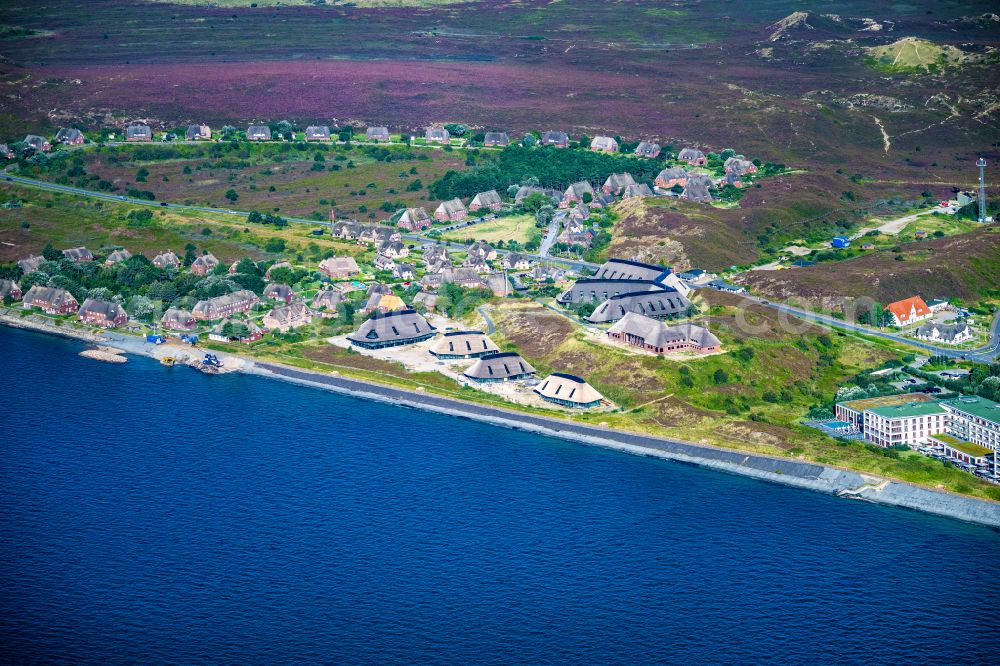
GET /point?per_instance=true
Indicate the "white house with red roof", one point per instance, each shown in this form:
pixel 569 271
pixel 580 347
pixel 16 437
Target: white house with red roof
pixel 909 311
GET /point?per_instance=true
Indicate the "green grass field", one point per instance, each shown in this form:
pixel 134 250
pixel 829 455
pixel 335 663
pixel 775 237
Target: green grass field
pixel 516 227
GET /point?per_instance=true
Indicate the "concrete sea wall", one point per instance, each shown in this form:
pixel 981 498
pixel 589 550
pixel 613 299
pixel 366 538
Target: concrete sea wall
pixel 810 476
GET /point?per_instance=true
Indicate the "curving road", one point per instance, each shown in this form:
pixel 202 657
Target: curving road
pixel 984 354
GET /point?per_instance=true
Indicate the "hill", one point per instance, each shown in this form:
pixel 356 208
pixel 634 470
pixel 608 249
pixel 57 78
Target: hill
pixel 914 54
pixel 965 267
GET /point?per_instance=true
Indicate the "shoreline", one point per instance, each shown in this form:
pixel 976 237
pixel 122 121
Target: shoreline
pixel 806 475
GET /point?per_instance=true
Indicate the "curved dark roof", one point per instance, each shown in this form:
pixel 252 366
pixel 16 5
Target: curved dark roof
pixel 636 263
pixel 392 313
pixel 500 355
pixel 463 333
pixel 572 378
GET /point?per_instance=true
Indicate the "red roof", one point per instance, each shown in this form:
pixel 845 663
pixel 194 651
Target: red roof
pixel 901 309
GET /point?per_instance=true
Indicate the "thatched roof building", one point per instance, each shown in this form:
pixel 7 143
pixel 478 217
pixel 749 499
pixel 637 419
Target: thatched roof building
pixel 508 366
pixel 464 344
pixel 568 391
pixel 392 329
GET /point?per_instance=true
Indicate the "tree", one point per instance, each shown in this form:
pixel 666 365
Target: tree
pixel 544 215
pixel 529 140
pixel 142 175
pixel 275 245
pixel 534 202
pixel 456 129
pixel 346 311
pixel 232 195
pixel 190 254
pixel 50 253
pixel 140 308
pixel 720 376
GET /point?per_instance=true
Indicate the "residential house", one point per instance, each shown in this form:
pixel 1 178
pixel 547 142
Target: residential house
pixel 496 139
pixel 488 199
pixel 503 367
pixel 236 331
pixel 557 139
pixel 258 133
pixel 909 311
pixel 30 264
pixel 415 219
pixel 37 143
pixel 50 300
pixel 325 302
pixel 279 292
pixel 868 246
pixel 267 274
pixel 728 287
pixel 117 256
pixel 693 157
pixel 602 200
pixel 939 305
pixel 648 149
pixel 6 152
pixel 528 190
pixel 697 188
pixel 575 193
pixel 337 268
pixel 653 335
pixel 287 317
pixel 463 344
pixel 637 190
pixel 482 250
pixel 138 133
pixel 436 254
pixel 78 254
pixel 462 276
pixel 383 263
pixel 377 134
pixel 617 182
pixel 317 133
pixel 477 264
pixel 739 165
pixel 392 329
pixel 516 262
pixel 577 214
pixel 975 420
pixel 732 178
pixel 568 391
pixel 404 272
pixel 583 238
pixel 671 176
pixel 98 312
pixel 950 334
pixel 549 274
pixel 167 260
pixel 221 307
pixel 437 135
pixel 426 299
pixel 198 133
pixel 393 250
pixel 497 283
pixel 70 136
pixel 10 288
pixel 178 319
pixel 204 264
pixel 384 303
pixel 604 144
pixel 451 211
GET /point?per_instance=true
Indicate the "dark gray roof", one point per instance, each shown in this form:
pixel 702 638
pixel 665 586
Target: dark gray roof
pixel 69 134
pixel 396 326
pixel 259 131
pixel 139 132
pixel 500 366
pixel 497 138
pixel 555 137
pixel 110 311
pixel 655 303
pixel 51 296
pixel 696 188
pixel 647 148
pixel 317 132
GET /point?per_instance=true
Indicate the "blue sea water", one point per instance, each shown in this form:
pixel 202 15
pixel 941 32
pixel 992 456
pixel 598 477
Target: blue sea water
pixel 157 515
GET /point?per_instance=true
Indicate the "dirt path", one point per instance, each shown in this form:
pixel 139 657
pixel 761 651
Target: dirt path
pixel 885 135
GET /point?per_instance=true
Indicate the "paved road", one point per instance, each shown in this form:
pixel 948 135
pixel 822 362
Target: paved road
pixel 551 232
pixel 984 354
pixel 489 322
